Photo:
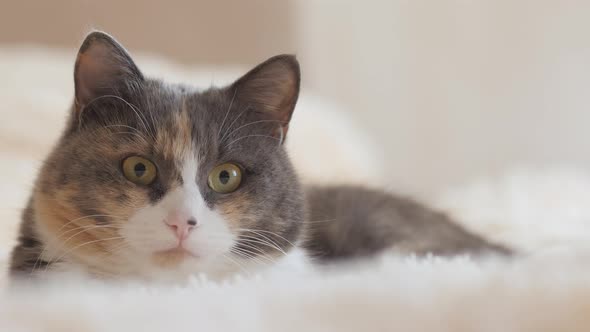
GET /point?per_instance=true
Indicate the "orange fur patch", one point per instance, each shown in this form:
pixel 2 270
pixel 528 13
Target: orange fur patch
pixel 236 211
pixel 175 143
pixel 73 234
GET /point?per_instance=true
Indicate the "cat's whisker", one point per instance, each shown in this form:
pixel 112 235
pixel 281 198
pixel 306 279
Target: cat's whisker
pixel 58 237
pixel 250 257
pixel 249 238
pixel 252 123
pixel 241 254
pixel 112 252
pixel 234 121
pixel 154 132
pixel 49 262
pixel 143 121
pixel 253 255
pixel 134 131
pixel 60 245
pixel 227 113
pixel 88 216
pixel 130 133
pixel 117 249
pixel 38 260
pixel 266 232
pixel 249 244
pixel 240 266
pixel 86 228
pixel 124 126
pixel 249 136
pixel 83 228
pixel 263 241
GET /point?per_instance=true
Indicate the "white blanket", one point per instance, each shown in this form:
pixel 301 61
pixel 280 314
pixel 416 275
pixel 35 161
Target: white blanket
pixel 545 213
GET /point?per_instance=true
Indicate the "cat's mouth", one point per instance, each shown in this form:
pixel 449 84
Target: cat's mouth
pixel 176 251
pixel 173 256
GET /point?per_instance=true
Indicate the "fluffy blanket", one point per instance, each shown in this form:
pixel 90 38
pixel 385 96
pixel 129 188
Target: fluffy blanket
pixel 544 213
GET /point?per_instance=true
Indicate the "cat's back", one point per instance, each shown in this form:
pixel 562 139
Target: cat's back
pixel 349 221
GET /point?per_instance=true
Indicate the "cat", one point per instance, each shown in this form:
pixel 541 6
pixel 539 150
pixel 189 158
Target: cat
pixel 153 180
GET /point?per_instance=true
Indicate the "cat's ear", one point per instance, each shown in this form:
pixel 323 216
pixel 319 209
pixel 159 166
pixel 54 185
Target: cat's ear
pixel 103 67
pixel 271 90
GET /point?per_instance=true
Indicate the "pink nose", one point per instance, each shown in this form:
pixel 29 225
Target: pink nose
pixel 180 224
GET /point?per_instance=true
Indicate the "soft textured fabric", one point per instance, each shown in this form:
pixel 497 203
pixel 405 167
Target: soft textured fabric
pixel 543 213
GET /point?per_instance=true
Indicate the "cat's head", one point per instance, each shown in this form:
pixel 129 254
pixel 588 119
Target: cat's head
pixel 153 178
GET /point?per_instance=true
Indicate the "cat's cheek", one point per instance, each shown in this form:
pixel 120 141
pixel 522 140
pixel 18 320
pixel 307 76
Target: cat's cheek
pixel 236 213
pixel 67 233
pixel 146 233
pixel 212 238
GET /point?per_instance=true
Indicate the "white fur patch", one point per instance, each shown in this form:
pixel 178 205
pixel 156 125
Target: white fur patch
pixel 147 233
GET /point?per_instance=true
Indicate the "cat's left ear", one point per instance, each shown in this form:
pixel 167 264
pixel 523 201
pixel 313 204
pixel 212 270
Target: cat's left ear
pixel 103 67
pixel 271 90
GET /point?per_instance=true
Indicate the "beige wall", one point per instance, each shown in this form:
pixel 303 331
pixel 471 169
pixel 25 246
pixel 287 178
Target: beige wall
pixel 192 31
pixel 451 89
pixel 456 89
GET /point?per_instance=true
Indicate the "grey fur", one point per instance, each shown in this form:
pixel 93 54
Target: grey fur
pixel 349 222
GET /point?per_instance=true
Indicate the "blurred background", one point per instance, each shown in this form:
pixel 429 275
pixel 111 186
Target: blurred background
pixel 448 90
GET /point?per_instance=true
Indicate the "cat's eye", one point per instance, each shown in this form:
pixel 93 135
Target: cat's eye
pixel 139 170
pixel 225 178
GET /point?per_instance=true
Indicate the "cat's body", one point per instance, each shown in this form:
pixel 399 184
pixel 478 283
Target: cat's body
pixel 350 222
pixel 158 180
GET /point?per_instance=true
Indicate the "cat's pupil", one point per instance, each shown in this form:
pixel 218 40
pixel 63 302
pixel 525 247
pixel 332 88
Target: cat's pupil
pixel 139 169
pixel 224 177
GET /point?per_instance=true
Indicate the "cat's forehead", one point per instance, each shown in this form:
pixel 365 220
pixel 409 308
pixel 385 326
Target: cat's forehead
pixel 175 137
pixel 174 105
pixel 162 100
pixel 183 121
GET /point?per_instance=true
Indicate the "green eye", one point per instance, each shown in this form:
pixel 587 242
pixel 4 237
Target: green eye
pixel 139 170
pixel 225 178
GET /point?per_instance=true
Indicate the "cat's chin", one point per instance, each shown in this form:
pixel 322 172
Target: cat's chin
pixel 172 257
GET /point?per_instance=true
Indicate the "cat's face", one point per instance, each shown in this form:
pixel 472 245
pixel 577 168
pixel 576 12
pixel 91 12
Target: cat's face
pixel 151 178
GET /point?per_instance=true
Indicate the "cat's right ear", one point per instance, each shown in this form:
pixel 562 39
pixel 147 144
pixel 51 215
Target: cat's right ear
pixel 103 67
pixel 271 89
